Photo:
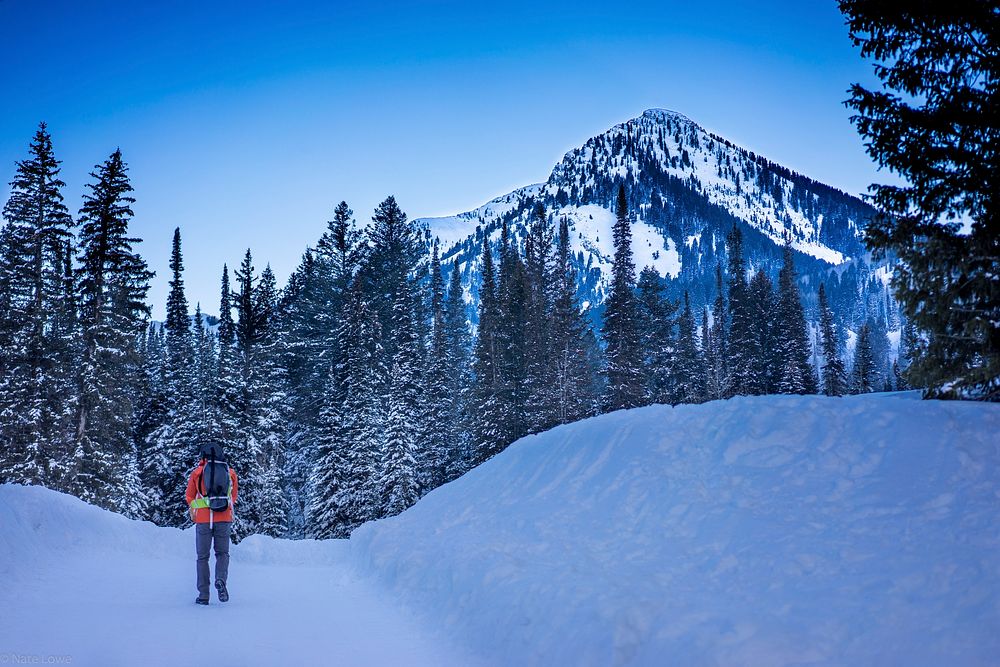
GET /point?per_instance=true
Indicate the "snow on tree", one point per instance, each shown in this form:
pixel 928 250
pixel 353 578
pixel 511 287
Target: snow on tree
pixel 621 320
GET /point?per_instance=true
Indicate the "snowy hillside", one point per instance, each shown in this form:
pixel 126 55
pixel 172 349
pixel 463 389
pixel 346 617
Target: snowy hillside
pixel 687 188
pixel 755 531
pixel 82 582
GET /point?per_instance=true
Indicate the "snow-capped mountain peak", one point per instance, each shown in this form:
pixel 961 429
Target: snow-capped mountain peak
pixel 687 188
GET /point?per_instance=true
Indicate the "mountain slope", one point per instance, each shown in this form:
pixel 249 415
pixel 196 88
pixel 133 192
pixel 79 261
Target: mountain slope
pixel 755 531
pixel 687 188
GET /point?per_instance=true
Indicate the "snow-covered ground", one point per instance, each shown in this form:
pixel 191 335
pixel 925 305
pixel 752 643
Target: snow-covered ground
pixel 755 531
pixel 82 582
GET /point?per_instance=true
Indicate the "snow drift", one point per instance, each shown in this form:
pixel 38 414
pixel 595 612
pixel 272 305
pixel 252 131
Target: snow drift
pixel 755 531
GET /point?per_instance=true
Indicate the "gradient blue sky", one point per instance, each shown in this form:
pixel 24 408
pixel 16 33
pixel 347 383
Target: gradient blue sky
pixel 245 123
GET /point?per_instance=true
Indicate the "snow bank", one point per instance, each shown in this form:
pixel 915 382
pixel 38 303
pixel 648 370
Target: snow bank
pixel 755 531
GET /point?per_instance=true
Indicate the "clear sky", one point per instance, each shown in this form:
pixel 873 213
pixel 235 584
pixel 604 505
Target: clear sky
pixel 244 123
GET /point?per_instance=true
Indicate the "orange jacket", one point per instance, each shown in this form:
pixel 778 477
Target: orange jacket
pixel 203 514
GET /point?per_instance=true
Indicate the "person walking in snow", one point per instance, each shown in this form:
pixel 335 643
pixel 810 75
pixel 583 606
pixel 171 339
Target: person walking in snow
pixel 211 495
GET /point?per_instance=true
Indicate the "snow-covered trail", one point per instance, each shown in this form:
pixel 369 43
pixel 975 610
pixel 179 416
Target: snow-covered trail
pixel 81 582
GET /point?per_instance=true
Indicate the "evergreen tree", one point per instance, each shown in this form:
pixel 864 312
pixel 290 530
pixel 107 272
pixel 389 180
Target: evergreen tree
pixel 621 335
pixel 933 122
pixel 539 267
pixel 113 282
pixel 399 475
pixel 834 374
pixel 716 372
pixel 439 432
pixel 31 273
pixel 227 395
pixel 511 336
pixel 689 367
pixel 390 262
pixel 345 488
pixel 574 346
pixel 172 448
pixel 794 348
pixel 458 374
pixel 863 375
pixel 486 414
pixel 742 347
pixel 765 374
pixel 656 331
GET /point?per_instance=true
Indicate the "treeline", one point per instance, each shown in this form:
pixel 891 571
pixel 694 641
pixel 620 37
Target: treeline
pixel 357 387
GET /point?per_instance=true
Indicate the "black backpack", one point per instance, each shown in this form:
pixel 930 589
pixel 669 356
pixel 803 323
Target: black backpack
pixel 215 483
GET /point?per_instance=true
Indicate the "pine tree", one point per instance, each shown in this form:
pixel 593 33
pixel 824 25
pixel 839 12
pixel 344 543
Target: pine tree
pixel 344 489
pixel 834 374
pixel 171 449
pixel 933 122
pixel 511 337
pixel 656 330
pixel 716 373
pixel 486 414
pixel 31 272
pixel 689 366
pixel 574 346
pixel 741 344
pixel 539 372
pixel 765 371
pixel 794 348
pixel 863 375
pixel 399 481
pixel 458 374
pixel 623 347
pixel 113 283
pixel 393 252
pixel 267 403
pixel 439 432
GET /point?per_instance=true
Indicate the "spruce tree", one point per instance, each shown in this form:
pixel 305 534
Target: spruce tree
pixel 485 412
pixel 539 372
pixel 399 481
pixel 716 373
pixel 765 366
pixel 458 374
pixel 171 450
pixel 689 369
pixel 113 283
pixel 794 348
pixel 742 350
pixel 511 336
pixel 31 273
pixel 656 331
pixel 625 387
pixel 934 123
pixel 834 374
pixel 863 374
pixel 344 489
pixel 439 432
pixel 574 347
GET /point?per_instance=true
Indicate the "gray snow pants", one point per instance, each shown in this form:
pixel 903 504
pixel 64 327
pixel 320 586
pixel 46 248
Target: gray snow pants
pixel 204 535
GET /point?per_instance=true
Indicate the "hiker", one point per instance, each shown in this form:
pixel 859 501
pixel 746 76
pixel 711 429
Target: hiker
pixel 211 495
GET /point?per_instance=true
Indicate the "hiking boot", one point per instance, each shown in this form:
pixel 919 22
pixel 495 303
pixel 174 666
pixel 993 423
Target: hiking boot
pixel 220 586
pixel 200 601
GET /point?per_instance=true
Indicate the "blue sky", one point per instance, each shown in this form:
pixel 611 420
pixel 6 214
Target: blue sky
pixel 245 123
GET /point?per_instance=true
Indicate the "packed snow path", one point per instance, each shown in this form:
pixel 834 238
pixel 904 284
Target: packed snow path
pixel 81 582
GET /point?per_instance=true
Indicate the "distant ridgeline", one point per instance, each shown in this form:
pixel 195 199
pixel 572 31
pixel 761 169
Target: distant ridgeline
pixel 658 264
